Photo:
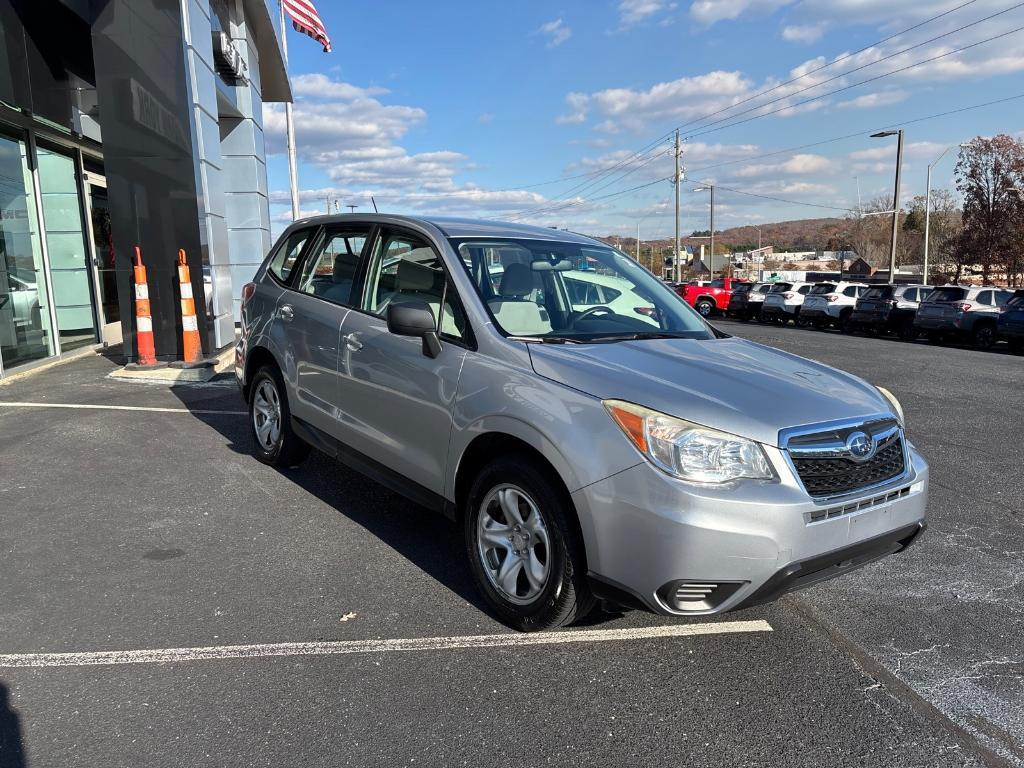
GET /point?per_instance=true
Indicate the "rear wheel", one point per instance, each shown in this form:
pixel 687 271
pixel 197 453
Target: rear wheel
pixel 801 322
pixel 705 307
pixel 844 323
pixel 524 548
pixel 270 422
pixel 907 331
pixel 984 336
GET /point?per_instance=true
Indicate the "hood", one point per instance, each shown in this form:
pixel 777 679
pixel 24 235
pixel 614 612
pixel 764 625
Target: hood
pixel 733 385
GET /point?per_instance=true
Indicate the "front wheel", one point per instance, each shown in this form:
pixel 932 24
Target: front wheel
pixel 984 336
pixel 523 547
pixel 270 424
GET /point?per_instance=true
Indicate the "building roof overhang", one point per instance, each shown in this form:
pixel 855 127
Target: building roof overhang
pixel 274 83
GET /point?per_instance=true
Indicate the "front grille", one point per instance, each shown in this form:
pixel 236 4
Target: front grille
pixel 835 476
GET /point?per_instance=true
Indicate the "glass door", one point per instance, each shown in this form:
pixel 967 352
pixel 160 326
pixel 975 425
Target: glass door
pixel 25 330
pixel 98 216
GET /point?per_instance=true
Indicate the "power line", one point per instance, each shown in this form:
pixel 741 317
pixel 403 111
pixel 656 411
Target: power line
pixel 594 199
pixel 865 66
pixel 855 85
pixel 782 199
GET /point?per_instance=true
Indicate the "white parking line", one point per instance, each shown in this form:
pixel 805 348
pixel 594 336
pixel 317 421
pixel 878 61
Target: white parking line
pixel 165 655
pixel 86 406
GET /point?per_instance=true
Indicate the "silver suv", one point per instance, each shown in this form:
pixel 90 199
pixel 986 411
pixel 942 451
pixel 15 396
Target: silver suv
pixel 962 312
pixel 634 453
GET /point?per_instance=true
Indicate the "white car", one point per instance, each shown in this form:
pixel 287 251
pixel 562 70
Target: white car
pixel 830 304
pixel 588 289
pixel 784 301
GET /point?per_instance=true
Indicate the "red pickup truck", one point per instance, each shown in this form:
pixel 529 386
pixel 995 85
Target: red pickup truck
pixel 708 297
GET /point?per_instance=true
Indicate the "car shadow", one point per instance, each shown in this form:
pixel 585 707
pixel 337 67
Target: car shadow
pixel 427 539
pixel 12 750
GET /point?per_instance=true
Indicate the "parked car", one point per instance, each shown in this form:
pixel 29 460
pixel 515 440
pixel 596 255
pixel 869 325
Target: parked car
pixel 889 308
pixel 962 313
pixel 830 304
pixel 708 296
pixel 747 299
pixel 588 289
pixel 783 302
pixel 1010 325
pixel 584 452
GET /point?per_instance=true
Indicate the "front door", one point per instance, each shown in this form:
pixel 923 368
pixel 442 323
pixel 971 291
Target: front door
pixel 104 265
pixel 395 401
pixel 311 316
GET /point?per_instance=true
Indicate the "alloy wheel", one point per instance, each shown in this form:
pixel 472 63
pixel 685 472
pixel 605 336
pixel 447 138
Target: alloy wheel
pixel 513 544
pixel 266 414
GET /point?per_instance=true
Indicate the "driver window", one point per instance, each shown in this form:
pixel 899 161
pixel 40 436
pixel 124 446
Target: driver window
pixel 404 267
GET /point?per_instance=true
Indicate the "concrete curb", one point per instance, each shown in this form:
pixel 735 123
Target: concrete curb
pixel 170 374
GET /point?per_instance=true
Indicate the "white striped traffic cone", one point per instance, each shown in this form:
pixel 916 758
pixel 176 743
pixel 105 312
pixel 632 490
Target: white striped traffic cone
pixel 143 315
pixel 191 347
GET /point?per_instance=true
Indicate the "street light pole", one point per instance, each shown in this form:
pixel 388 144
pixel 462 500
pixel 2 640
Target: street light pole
pixel 896 199
pixel 928 208
pixel 677 272
pixel 711 265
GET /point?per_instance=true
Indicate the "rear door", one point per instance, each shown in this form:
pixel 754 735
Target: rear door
pixel 311 315
pixel 395 401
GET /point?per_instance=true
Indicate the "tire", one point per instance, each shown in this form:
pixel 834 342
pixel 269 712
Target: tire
pixel 843 323
pixel 907 331
pixel 705 308
pixel 280 446
pixel 545 528
pixel 984 336
pixel 801 322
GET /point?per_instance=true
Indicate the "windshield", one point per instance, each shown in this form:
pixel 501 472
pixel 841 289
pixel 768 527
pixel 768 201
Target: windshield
pixel 947 294
pixel 823 288
pixel 553 291
pixel 1017 300
pixel 880 292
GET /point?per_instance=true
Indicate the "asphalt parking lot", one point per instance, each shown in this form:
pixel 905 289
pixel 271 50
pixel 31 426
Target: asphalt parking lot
pixel 148 528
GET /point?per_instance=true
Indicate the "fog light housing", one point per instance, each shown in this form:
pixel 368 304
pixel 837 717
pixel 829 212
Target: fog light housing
pixel 693 596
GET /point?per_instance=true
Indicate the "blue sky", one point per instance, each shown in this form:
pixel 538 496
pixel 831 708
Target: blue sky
pixel 462 107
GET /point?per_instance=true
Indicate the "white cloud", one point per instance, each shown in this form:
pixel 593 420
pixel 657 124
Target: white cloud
pixel 557 32
pixel 633 12
pixel 321 86
pixel 803 33
pixel 796 165
pixel 879 99
pixel 710 11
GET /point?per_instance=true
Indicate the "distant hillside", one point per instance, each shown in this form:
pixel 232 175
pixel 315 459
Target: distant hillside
pixel 800 235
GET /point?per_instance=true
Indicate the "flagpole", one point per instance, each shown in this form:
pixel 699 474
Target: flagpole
pixel 293 175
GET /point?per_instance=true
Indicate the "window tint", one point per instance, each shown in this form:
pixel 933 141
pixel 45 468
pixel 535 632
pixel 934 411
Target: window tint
pixel 908 295
pixel 985 297
pixel 822 288
pixel 718 283
pixel 780 287
pixel 850 290
pixel 804 289
pixel 331 271
pixel 1002 297
pixel 947 294
pixel 764 288
pixel 403 268
pixel 879 292
pixel 288 253
pixel 1016 300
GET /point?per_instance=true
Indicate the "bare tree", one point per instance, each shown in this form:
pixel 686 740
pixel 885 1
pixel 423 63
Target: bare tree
pixel 988 174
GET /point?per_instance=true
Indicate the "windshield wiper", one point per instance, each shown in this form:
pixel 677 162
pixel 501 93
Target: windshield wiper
pixel 641 335
pixel 544 339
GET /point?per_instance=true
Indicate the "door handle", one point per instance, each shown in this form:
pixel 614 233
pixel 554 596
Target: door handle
pixel 286 313
pixel 352 342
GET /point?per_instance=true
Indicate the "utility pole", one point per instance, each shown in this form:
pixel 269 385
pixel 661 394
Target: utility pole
pixel 677 272
pixel 711 264
pixel 638 242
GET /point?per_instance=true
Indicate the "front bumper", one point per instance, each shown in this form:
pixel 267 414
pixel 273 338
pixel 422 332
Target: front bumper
pixel 646 532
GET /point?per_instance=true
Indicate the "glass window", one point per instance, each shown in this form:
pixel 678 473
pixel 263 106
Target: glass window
pixel 879 292
pixel 1002 297
pixel 947 294
pixel 573 292
pixel 404 267
pixel 780 287
pixel 25 332
pixel 288 253
pixel 1016 300
pixel 822 288
pixel 65 245
pixel 804 290
pixel 985 297
pixel 331 271
pixel 851 291
pixel 908 295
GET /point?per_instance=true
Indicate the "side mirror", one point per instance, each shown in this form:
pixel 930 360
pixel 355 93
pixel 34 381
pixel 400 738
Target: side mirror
pixel 415 318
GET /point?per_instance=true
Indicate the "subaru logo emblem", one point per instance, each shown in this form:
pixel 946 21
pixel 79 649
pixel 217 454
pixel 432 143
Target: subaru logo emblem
pixel 860 446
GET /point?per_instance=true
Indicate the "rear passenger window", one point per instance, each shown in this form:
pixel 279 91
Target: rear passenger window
pixel 985 297
pixel 850 290
pixel 910 294
pixel 283 261
pixel 404 267
pixel 804 289
pixel 1002 297
pixel 331 271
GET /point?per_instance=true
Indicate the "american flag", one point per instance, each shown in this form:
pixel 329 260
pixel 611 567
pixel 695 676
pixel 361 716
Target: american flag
pixel 305 19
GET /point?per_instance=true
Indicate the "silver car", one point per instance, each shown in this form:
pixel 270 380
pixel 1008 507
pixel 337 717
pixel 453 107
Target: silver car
pixel 636 454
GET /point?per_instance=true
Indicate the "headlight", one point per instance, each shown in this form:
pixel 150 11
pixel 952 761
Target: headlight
pixel 689 451
pixel 896 407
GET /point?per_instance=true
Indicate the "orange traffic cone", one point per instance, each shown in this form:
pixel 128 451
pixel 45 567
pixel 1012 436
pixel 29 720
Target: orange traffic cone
pixel 189 325
pixel 143 315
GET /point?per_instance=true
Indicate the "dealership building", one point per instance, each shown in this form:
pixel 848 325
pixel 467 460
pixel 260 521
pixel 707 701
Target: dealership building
pixel 129 123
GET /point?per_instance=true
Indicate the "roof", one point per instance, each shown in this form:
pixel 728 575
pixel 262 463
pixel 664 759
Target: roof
pixel 454 226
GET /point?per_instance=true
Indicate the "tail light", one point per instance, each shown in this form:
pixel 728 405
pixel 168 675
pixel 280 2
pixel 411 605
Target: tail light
pixel 647 311
pixel 787 296
pixel 833 297
pixel 247 292
pixel 963 307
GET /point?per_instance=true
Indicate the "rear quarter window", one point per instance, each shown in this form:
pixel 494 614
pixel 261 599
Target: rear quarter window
pixel 282 263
